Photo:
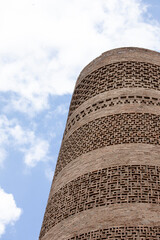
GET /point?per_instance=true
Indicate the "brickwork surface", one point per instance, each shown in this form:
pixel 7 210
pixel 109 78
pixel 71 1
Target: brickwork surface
pixel 104 104
pixel 124 233
pixel 115 76
pixel 107 178
pixel 115 185
pixel 110 130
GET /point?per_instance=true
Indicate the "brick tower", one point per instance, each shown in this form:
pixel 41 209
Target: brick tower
pixel 107 179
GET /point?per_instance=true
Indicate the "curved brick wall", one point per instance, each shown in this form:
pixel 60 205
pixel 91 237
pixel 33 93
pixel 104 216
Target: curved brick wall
pixel 107 178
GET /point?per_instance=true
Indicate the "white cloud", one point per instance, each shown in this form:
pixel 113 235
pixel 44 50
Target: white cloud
pixel 49 173
pixel 44 44
pixel 37 152
pixel 3 155
pixel 61 109
pixel 34 148
pixel 9 212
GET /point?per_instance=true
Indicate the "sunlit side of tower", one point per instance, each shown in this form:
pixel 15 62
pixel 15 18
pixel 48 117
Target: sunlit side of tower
pixel 107 178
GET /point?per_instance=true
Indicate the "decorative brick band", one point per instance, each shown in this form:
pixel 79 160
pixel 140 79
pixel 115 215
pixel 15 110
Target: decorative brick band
pixel 122 233
pixel 109 130
pixel 110 102
pixel 126 74
pixel 112 185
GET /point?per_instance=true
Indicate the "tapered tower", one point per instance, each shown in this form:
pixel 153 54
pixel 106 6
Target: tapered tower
pixel 107 179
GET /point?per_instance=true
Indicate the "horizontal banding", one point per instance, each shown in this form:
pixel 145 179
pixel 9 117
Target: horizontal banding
pixel 118 75
pixel 123 134
pixel 110 130
pixel 109 186
pixel 129 214
pixel 106 102
pixel 109 156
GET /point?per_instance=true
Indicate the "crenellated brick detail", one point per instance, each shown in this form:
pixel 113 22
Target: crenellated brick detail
pixel 111 102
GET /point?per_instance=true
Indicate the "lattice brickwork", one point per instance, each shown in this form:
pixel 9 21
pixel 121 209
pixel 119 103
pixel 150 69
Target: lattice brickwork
pixel 110 130
pixel 122 233
pixel 114 76
pixel 110 102
pixel 113 185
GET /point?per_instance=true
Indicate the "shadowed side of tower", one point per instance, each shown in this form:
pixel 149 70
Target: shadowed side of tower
pixel 107 178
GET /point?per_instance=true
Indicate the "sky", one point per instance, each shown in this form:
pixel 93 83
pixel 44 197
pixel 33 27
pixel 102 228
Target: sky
pixel 43 47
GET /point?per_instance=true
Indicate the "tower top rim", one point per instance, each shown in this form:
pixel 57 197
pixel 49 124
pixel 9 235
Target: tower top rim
pixel 119 55
pixel 120 49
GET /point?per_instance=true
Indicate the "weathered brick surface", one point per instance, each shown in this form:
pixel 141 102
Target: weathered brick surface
pixel 120 215
pixel 114 102
pixel 127 74
pixel 120 55
pixel 109 156
pixel 107 178
pixel 137 232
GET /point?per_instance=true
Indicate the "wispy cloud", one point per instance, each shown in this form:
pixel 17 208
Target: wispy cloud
pixel 61 109
pixel 44 45
pixel 49 173
pixel 37 152
pixel 10 213
pixel 34 148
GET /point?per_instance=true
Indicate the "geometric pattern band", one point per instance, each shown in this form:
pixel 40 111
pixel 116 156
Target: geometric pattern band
pixel 108 186
pixel 122 233
pixel 108 102
pixel 118 75
pixel 109 130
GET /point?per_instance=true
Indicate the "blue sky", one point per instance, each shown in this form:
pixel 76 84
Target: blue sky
pixel 44 45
